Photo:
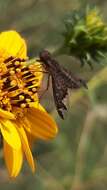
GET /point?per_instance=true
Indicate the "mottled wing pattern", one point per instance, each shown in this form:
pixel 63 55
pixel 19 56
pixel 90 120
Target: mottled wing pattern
pixel 71 81
pixel 61 82
pixel 59 93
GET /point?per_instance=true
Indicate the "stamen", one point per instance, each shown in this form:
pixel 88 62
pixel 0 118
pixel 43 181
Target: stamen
pixel 8 59
pixel 18 84
pixel 13 88
pixel 12 72
pixel 17 63
pixel 13 83
pixel 28 100
pixel 27 74
pixel 23 105
pixel 18 70
pixel 5 75
pixel 21 97
pixel 34 89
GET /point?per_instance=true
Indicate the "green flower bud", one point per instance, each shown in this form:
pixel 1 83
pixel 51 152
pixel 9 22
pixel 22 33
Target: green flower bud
pixel 85 36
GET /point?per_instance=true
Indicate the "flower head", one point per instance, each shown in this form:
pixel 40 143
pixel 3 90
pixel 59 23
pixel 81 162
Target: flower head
pixel 88 31
pixel 21 116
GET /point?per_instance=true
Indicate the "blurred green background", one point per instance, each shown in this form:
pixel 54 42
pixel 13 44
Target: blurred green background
pixel 77 158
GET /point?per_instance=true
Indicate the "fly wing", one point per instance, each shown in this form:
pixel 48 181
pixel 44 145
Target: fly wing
pixel 61 82
pixel 72 81
pixel 59 92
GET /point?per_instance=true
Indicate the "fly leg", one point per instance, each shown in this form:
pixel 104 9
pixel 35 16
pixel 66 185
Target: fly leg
pixel 47 87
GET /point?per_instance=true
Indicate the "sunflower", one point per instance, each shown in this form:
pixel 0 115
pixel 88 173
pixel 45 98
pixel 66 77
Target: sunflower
pixel 22 118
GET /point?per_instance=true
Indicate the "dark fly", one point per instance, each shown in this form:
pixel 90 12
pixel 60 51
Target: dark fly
pixel 62 80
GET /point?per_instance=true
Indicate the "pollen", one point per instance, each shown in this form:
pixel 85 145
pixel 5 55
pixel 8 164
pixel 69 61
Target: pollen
pixel 23 105
pixel 17 63
pixel 12 72
pixel 28 100
pixel 18 84
pixel 21 97
pixel 18 70
pixel 34 89
pixel 13 83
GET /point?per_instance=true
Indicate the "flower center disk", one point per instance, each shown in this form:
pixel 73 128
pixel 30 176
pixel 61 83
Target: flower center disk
pixel 18 84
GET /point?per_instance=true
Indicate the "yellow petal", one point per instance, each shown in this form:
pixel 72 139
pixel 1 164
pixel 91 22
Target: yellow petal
pixel 31 138
pixel 40 124
pixel 13 159
pixel 11 44
pixel 40 107
pixel 10 134
pixel 26 148
pixel 37 105
pixel 6 114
